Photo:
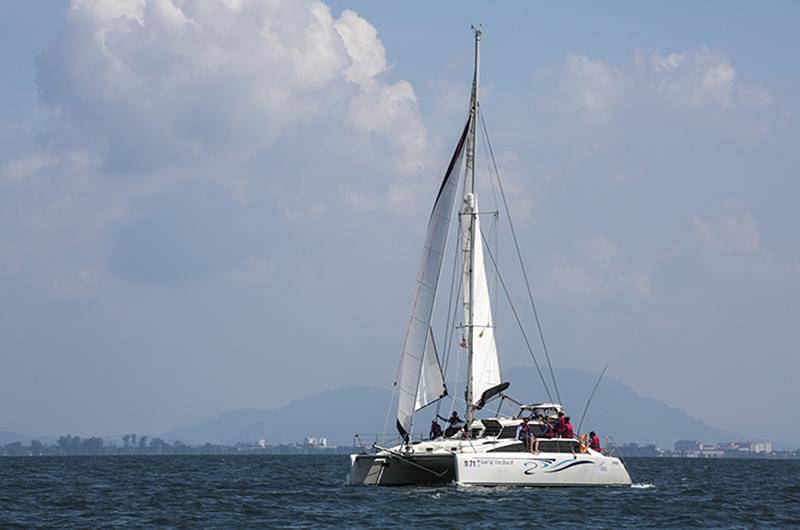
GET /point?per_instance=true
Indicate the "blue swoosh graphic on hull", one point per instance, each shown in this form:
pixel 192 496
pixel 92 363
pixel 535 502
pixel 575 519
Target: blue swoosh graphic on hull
pixel 571 464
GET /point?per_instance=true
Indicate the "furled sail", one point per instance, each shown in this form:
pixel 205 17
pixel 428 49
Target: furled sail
pixel 485 362
pixel 416 383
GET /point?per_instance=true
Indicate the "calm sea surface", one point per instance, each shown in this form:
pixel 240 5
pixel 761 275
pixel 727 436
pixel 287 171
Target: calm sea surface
pixel 309 491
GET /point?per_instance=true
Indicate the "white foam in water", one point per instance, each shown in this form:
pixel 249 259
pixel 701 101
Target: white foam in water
pixel 643 486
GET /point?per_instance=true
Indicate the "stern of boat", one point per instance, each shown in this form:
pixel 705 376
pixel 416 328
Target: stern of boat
pixel 387 469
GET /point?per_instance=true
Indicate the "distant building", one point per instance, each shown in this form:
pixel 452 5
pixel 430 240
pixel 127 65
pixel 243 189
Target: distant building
pixel 761 447
pixel 684 446
pixel 316 442
pixel 262 443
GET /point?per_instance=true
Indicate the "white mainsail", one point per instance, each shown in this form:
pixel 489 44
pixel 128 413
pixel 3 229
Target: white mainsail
pixel 418 383
pixel 485 361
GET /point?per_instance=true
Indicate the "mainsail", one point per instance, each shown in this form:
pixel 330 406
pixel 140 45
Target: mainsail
pixel 485 362
pixel 418 382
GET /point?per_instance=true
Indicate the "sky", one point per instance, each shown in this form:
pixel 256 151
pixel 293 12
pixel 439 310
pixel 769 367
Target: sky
pixel 214 204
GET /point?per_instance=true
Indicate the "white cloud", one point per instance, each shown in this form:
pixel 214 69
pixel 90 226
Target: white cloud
pixel 22 168
pixel 588 86
pixel 695 78
pixel 728 233
pixel 599 250
pixel 155 82
pixel 367 54
pixel 598 270
pixel 688 81
pixel 636 282
pixel 52 223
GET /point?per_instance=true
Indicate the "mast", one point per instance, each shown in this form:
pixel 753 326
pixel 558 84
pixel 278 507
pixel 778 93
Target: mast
pixel 468 216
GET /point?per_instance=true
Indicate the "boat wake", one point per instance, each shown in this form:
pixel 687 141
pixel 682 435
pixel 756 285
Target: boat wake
pixel 643 486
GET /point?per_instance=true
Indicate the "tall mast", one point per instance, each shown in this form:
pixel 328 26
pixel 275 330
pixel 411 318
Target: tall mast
pixel 468 217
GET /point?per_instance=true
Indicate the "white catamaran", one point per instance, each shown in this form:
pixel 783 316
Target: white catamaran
pixel 484 451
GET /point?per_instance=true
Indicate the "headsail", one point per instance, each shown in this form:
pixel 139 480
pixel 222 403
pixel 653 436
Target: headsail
pixel 431 380
pixel 415 363
pixel 485 362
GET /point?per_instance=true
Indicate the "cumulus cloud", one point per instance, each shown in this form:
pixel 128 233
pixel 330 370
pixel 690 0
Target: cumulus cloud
pixel 693 79
pixel 599 250
pixel 589 86
pixel 703 78
pixel 270 108
pixel 686 81
pixel 597 270
pixel 53 210
pixel 728 233
pixel 22 168
pixel 153 82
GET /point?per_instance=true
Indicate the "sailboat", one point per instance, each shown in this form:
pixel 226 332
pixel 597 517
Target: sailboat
pixel 477 451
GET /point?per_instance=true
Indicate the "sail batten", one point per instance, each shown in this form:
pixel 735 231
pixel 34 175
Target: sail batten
pixel 420 376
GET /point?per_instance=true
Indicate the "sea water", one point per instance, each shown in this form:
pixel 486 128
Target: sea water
pixel 310 491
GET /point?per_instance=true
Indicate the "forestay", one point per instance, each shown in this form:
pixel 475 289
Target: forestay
pixel 419 383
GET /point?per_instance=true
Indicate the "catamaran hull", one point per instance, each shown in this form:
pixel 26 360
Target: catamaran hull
pixel 543 469
pixel 401 470
pixel 488 469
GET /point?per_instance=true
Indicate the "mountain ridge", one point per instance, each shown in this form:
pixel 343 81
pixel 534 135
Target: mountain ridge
pixel 337 414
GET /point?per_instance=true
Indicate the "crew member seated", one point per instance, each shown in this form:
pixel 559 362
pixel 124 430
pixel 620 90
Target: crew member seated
pixel 523 431
pixel 455 424
pixel 568 432
pixel 436 430
pixel 594 442
pixel 454 419
pixel 525 434
pixel 547 429
pixel 558 425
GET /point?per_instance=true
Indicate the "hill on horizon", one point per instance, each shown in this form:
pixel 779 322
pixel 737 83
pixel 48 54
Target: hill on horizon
pixel 337 414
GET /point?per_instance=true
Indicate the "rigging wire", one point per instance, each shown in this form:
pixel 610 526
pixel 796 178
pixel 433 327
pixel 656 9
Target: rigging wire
pixel 586 408
pixel 519 322
pixel 519 255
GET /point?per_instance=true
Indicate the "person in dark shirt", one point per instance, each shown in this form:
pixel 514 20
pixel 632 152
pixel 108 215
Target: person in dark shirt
pixel 454 419
pixel 454 424
pixel 547 428
pixel 436 429
pixel 559 425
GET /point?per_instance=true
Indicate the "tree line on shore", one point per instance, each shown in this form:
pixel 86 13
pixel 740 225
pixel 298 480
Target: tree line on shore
pixel 94 445
pixel 69 445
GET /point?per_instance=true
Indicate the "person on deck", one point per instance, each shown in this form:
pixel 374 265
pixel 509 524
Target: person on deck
pixel 523 431
pixel 436 430
pixel 454 419
pixel 594 442
pixel 558 425
pixel 547 428
pixel 568 432
pixel 525 435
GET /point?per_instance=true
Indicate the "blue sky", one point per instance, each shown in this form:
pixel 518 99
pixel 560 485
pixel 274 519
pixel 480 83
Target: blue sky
pixel 218 204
